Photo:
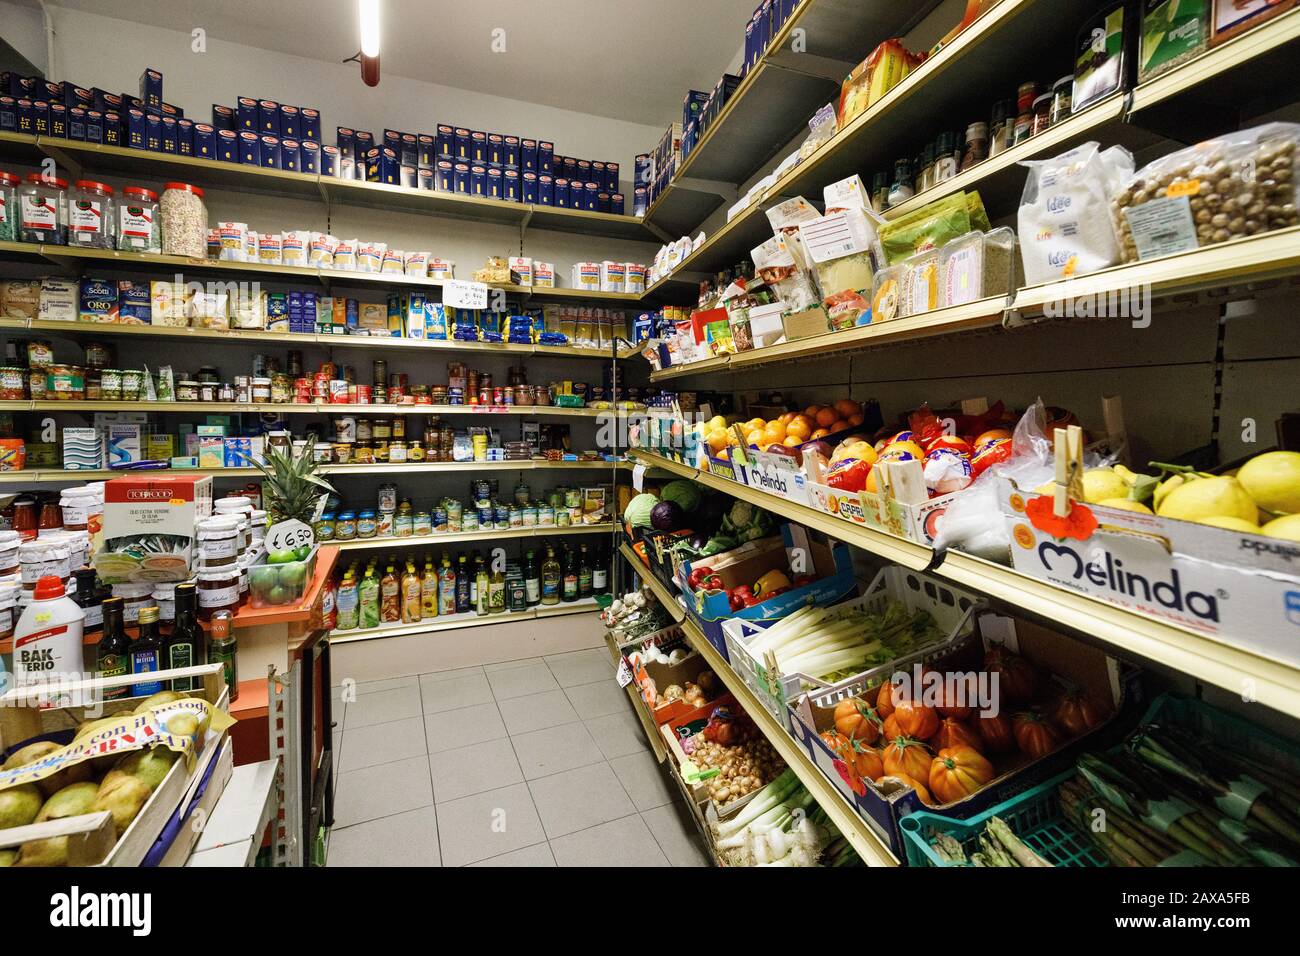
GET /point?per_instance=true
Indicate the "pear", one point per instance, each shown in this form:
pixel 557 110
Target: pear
pixel 183 725
pixel 8 857
pixel 150 765
pixel 50 785
pixel 1101 484
pixel 19 805
pixel 1218 497
pixel 71 801
pixel 1273 481
pixel 1287 528
pixel 30 754
pixel 157 700
pixel 122 796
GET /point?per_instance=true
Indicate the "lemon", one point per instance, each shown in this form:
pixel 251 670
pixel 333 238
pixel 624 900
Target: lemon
pixel 1232 524
pixel 1101 484
pixel 1218 497
pixel 1126 504
pixel 1287 527
pixel 1273 480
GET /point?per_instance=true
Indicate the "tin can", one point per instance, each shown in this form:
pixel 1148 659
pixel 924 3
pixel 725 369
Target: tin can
pixel 364 394
pixel 384 524
pixel 387 497
pixel 422 523
pixel 529 513
pixel 442 518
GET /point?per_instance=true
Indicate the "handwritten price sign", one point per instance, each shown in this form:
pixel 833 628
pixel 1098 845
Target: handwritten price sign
pixel 461 294
pixel 289 536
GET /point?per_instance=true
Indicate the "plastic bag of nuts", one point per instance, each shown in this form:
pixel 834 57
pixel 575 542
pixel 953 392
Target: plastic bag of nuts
pixel 1241 184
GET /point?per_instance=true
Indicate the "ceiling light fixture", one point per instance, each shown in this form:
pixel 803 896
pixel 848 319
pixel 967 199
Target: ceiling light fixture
pixel 369 12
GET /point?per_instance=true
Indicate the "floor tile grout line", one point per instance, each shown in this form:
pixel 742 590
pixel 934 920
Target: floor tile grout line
pixel 527 846
pixel 385 816
pixel 428 765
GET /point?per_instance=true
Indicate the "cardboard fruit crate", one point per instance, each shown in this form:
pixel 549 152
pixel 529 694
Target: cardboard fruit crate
pixel 23 720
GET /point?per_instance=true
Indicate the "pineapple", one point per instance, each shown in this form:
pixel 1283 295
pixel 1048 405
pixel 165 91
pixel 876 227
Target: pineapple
pixel 290 487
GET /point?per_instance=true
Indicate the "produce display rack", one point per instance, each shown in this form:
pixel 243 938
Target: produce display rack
pixel 1270 682
pixel 975 60
pixel 652 735
pixel 846 820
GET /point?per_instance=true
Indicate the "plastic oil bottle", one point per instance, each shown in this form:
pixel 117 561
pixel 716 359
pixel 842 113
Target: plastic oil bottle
pixel 390 597
pixel 47 640
pixel 348 602
pixel 446 588
pixel 368 593
pixel 410 595
pixel 428 590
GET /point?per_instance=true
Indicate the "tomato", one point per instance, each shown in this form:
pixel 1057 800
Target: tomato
pixel 889 730
pixel 1034 736
pixel 995 732
pixel 916 720
pixel 909 756
pixel 857 720
pixel 1017 678
pixel 838 744
pixel 885 699
pixel 957 773
pixel 867 761
pixel 1077 714
pixel 921 792
pixel 954 732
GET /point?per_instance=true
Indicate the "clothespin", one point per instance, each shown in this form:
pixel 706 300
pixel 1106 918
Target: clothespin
pixel 1068 449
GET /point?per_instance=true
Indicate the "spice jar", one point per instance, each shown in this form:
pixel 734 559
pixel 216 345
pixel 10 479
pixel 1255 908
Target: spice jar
pixel 1042 114
pixel 92 213
pixel 65 382
pixel 1002 128
pixel 1062 93
pixel 13 383
pixel 1026 93
pixel 8 207
pixel 132 380
pixel 945 158
pixel 187 390
pixel 1023 127
pixel 138 222
pixel 184 221
pixel 977 145
pixel 261 390
pixel 218 591
pixel 325 527
pixel 43 206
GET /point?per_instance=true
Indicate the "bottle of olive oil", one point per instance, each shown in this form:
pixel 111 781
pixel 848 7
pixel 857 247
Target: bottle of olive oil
pixel 497 592
pixel 447 588
pixel 550 578
pixel 410 595
pixel 390 597
pixel 428 590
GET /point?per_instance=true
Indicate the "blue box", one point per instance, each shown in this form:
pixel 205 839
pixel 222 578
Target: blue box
pixel 204 141
pixel 528 189
pixel 131 102
pixel 510 185
pixel 461 178
pixel 230 146
pixel 611 177
pixel 277 310
pixel 478 180
pixel 570 170
pixel 424 179
pixel 602 201
pixel 59 121
pixel 407 176
pixel 528 156
pixel 135 129
pixel 309 153
pixel 347 144
pixel 512 152
pixel 562 194
pixel 175 112
pixel 393 140
pixel 268 118
pixel 74 96
pixel 329 160
pixel 582 170
pixel 545 157
pixel 586 199
pixel 444 179
pixel 310 119
pixel 104 101
pixel 8 114
pixel 26 119
pixel 270 149
pixel 496 149
pixel 640 201
pixel 185 137
pixel 41 117
pixel 289 159
pixel 597 174
pixel 408 152
pixel 21 87
pixel 49 91
pixel 246 114
pixel 425 146
pixel 151 89
pixel 495 186
pixel 477 146
pixel 290 125
pixel 250 148
pixel 382 166
pixel 94 125
pixel 546 189
pixel 168 135
pixel 153 132
pixel 133 302
pixel 113 129
pixel 444 142
pixel 461 145
pixel 365 142
pixel 641 170
pixel 223 117
pixel 617 204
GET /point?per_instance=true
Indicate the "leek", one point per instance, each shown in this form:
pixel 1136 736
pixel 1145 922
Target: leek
pixel 770 796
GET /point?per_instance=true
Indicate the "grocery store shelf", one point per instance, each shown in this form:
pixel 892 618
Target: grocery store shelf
pixel 232 835
pixel 648 726
pixel 661 593
pixel 1269 682
pixel 37 476
pixel 453 622
pixel 449 537
pixel 718 363
pixel 776 98
pixel 79 158
pixel 48 475
pixel 296 408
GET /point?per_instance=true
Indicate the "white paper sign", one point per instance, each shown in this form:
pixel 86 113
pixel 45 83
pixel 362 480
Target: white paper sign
pixel 624 675
pixel 289 536
pixel 638 477
pixel 465 295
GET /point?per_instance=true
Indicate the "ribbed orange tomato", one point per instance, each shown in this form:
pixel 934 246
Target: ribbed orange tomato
pixel 1034 736
pixel 909 756
pixel 889 729
pixel 857 720
pixel 954 732
pixel 885 699
pixel 916 720
pixel 957 773
pixel 867 761
pixel 995 732
pixel 838 744
pixel 1076 713
pixel 921 792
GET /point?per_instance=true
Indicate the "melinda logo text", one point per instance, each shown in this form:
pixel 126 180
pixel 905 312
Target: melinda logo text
pixel 1111 575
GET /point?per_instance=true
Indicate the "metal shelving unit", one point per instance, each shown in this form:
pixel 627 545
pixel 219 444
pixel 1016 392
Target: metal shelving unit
pixel 453 622
pixel 456 537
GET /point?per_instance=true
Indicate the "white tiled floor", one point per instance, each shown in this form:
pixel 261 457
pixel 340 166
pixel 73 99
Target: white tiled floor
pixel 537 762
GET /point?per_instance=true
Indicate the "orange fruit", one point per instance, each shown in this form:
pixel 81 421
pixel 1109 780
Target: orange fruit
pixel 855 420
pixel 838 425
pixel 990 435
pixel 725 454
pixel 819 433
pixel 774 432
pixel 798 429
pixel 846 407
pixel 826 417
pixel 791 441
pixel 754 436
pixel 754 423
pixel 812 410
pixel 717 440
pixel 870 483
pixel 786 418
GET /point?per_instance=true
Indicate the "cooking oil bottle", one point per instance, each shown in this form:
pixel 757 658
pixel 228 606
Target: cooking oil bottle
pixel 390 597
pixel 428 590
pixel 410 595
pixel 368 592
pixel 346 602
pixel 446 588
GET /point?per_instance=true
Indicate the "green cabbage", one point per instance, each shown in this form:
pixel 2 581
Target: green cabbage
pixel 685 494
pixel 637 512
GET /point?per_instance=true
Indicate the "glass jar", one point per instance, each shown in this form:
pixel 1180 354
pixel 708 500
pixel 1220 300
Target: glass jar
pixel 256 528
pixel 1023 128
pixel 79 507
pixel 323 453
pixel 98 355
pixel 1042 114
pixel 366 524
pixel 345 528
pixel 9 541
pixel 261 390
pixel 239 507
pixel 8 207
pixel 218 591
pixel 134 597
pixel 164 597
pixel 977 145
pixel 1002 128
pixel 132 382
pixel 43 206
pixel 92 213
pixel 281 388
pixel 899 191
pixel 220 542
pixel 186 390
pixel 1026 93
pixel 1062 98
pixel 8 609
pixel 945 158
pixel 13 383
pixel 325 527
pixel 384 524
pixel 184 221
pixel 138 222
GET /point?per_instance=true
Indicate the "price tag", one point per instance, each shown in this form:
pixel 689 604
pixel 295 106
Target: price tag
pixel 461 294
pixel 638 477
pixel 624 675
pixel 289 536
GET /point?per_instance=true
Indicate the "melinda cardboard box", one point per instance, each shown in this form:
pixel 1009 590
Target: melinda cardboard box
pixel 1241 589
pixel 778 475
pixel 149 527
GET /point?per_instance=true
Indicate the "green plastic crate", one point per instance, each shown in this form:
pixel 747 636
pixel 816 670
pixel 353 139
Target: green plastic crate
pixel 1034 816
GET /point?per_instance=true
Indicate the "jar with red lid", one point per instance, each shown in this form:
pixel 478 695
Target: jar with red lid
pixel 92 213
pixel 8 206
pixel 184 221
pixel 43 210
pixel 139 225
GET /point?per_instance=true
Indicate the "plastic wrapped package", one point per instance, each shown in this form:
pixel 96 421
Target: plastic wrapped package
pixel 932 226
pixel 209 310
pixel 887 300
pixel 1241 184
pixel 370 256
pixel 976 266
pixel 882 70
pixel 345 255
pixel 844 251
pixel 921 283
pixel 821 129
pixel 786 218
pixel 792 284
pixel 738 321
pixel 847 309
pixel 1062 224
pixel 320 250
pixel 248 311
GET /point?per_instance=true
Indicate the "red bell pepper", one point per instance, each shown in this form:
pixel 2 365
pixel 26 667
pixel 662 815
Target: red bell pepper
pixel 697 575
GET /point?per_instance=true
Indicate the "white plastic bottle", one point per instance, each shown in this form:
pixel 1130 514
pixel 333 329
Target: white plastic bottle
pixel 48 641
